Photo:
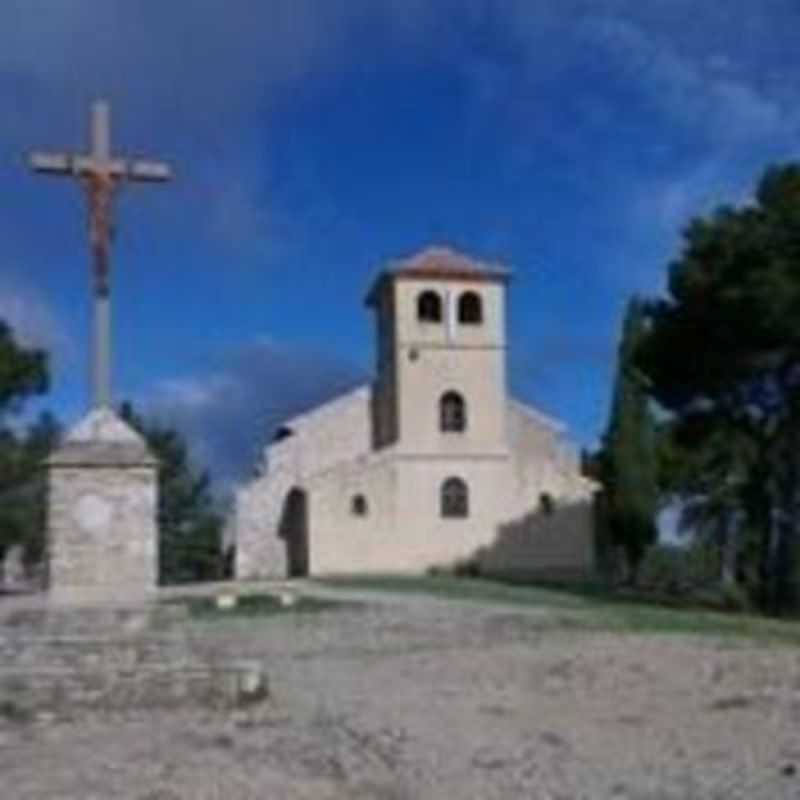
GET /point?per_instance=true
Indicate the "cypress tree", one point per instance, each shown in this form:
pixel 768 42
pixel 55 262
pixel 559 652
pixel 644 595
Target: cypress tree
pixel 629 469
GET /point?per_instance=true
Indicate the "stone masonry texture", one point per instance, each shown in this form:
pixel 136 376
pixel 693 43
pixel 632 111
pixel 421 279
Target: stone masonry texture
pixel 102 536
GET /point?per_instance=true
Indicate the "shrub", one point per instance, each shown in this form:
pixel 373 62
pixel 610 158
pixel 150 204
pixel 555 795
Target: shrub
pixel 679 571
pixel 467 568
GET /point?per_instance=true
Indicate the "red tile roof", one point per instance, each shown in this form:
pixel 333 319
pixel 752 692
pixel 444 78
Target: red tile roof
pixel 439 263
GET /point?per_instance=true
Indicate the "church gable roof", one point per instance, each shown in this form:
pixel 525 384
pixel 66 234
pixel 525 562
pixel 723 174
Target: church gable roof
pixel 536 417
pixel 358 396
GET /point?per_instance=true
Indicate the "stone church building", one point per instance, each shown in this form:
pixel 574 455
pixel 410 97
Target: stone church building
pixel 433 463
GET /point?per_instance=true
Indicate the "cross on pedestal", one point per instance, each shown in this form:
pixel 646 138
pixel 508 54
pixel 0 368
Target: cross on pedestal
pixel 100 173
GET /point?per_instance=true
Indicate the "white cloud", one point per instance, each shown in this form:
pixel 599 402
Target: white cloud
pixel 668 203
pixel 193 393
pixel 703 91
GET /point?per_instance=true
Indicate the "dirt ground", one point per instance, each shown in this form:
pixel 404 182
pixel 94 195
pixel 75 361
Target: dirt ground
pixel 425 698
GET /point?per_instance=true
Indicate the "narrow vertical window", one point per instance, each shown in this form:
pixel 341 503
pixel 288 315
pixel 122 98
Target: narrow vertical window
pixel 452 413
pixel 454 498
pixel 358 506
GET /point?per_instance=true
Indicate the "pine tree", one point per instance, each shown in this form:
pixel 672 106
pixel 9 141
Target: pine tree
pixel 722 354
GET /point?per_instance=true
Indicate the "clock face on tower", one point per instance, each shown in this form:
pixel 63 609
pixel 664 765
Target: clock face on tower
pixel 92 513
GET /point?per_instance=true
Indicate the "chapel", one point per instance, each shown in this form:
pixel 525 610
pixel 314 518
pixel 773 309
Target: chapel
pixel 432 464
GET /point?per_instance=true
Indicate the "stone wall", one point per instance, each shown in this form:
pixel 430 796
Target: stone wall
pixel 61 660
pixel 402 529
pixel 335 434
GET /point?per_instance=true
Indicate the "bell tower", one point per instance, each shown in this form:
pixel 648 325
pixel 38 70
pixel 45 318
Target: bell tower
pixel 440 384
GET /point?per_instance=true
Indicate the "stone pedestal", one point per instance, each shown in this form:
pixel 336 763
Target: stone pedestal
pixel 102 534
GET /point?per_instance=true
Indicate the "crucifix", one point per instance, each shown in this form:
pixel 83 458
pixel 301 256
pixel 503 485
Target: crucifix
pixel 100 173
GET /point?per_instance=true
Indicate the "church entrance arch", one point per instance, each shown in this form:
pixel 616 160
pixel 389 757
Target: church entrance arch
pixel 293 529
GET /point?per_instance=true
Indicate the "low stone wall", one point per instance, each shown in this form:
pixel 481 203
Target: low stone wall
pixel 59 660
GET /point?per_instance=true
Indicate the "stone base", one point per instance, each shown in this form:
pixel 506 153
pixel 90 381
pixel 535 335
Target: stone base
pixel 59 661
pixel 102 505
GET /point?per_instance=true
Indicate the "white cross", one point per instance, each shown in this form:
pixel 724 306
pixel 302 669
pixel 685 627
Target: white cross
pixel 100 173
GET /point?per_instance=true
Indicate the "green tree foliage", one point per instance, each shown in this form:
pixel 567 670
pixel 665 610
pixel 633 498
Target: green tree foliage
pixel 23 374
pixel 40 439
pixel 722 355
pixel 627 464
pixel 190 528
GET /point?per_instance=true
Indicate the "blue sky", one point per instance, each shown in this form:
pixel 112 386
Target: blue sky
pixel 313 140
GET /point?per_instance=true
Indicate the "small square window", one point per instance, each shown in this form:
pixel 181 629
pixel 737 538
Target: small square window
pixel 359 506
pixel 547 504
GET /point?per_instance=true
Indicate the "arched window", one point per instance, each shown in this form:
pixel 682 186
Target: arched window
pixel 454 498
pixel 358 506
pixel 452 413
pixel 429 307
pixel 470 309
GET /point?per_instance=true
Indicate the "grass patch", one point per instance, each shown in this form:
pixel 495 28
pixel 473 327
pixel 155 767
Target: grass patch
pixel 585 606
pixel 256 605
pixel 449 586
pixel 653 619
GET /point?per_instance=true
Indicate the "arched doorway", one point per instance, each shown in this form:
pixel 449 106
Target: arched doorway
pixel 293 529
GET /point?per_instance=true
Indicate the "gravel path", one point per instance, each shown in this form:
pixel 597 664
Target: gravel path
pixel 424 698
